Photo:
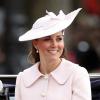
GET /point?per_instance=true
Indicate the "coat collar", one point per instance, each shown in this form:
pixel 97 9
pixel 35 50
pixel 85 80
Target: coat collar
pixel 31 74
pixel 60 74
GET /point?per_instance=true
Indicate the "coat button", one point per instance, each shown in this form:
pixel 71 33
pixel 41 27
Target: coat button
pixel 46 76
pixel 43 94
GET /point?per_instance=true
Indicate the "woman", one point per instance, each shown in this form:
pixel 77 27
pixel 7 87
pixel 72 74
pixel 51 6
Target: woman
pixel 51 77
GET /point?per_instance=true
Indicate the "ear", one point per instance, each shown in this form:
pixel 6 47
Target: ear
pixel 34 43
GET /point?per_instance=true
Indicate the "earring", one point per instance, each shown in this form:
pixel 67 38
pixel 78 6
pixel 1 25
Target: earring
pixel 37 51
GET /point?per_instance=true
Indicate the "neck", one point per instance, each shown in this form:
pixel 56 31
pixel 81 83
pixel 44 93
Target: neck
pixel 47 66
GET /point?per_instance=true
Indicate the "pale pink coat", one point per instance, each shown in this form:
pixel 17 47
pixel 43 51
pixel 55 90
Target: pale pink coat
pixel 67 82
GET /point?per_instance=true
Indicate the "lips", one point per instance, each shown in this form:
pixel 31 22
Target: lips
pixel 53 51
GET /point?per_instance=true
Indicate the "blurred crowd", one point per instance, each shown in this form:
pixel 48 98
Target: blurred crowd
pixel 82 39
pixel 84 46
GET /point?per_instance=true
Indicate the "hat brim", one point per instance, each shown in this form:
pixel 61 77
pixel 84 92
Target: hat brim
pixel 59 26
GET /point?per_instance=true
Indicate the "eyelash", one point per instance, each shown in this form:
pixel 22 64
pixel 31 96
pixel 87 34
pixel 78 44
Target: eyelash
pixel 58 39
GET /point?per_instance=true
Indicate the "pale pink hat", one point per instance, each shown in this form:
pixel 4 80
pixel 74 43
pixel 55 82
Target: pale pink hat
pixel 49 24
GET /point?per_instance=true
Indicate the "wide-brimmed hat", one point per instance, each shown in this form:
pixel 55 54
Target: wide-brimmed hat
pixel 49 24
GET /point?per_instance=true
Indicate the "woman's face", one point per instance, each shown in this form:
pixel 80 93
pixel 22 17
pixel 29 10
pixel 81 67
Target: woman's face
pixel 50 47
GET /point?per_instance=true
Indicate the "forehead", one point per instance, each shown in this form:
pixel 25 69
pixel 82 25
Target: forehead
pixel 58 34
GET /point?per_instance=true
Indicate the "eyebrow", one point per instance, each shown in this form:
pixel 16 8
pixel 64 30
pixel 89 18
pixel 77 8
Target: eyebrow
pixel 59 35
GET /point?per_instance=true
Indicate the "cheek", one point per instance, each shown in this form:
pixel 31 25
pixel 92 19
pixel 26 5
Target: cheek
pixel 43 47
pixel 61 45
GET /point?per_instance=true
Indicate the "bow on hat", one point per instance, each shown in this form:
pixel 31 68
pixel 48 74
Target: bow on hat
pixel 61 15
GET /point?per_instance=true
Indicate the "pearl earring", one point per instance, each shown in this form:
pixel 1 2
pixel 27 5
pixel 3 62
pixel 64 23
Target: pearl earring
pixel 37 51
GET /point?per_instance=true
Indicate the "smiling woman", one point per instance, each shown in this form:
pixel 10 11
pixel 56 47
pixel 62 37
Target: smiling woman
pixel 52 77
pixel 50 49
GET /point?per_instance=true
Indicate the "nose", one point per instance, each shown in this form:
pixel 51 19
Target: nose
pixel 54 43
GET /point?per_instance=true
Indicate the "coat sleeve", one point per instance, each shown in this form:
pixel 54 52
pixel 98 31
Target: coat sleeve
pixel 81 87
pixel 17 87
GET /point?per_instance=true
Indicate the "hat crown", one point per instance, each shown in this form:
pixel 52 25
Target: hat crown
pixel 48 20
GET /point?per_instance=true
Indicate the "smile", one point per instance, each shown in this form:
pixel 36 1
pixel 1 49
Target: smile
pixel 53 51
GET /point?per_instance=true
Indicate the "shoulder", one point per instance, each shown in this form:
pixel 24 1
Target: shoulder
pixel 29 75
pixel 78 74
pixel 27 72
pixel 75 68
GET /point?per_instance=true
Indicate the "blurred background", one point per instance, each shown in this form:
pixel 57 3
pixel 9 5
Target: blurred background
pixel 82 39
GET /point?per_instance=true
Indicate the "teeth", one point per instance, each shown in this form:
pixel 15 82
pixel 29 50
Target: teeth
pixel 53 51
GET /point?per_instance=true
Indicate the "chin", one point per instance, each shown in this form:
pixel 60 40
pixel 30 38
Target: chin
pixel 54 58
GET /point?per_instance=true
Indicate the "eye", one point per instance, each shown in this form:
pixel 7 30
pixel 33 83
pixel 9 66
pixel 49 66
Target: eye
pixel 59 38
pixel 46 39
